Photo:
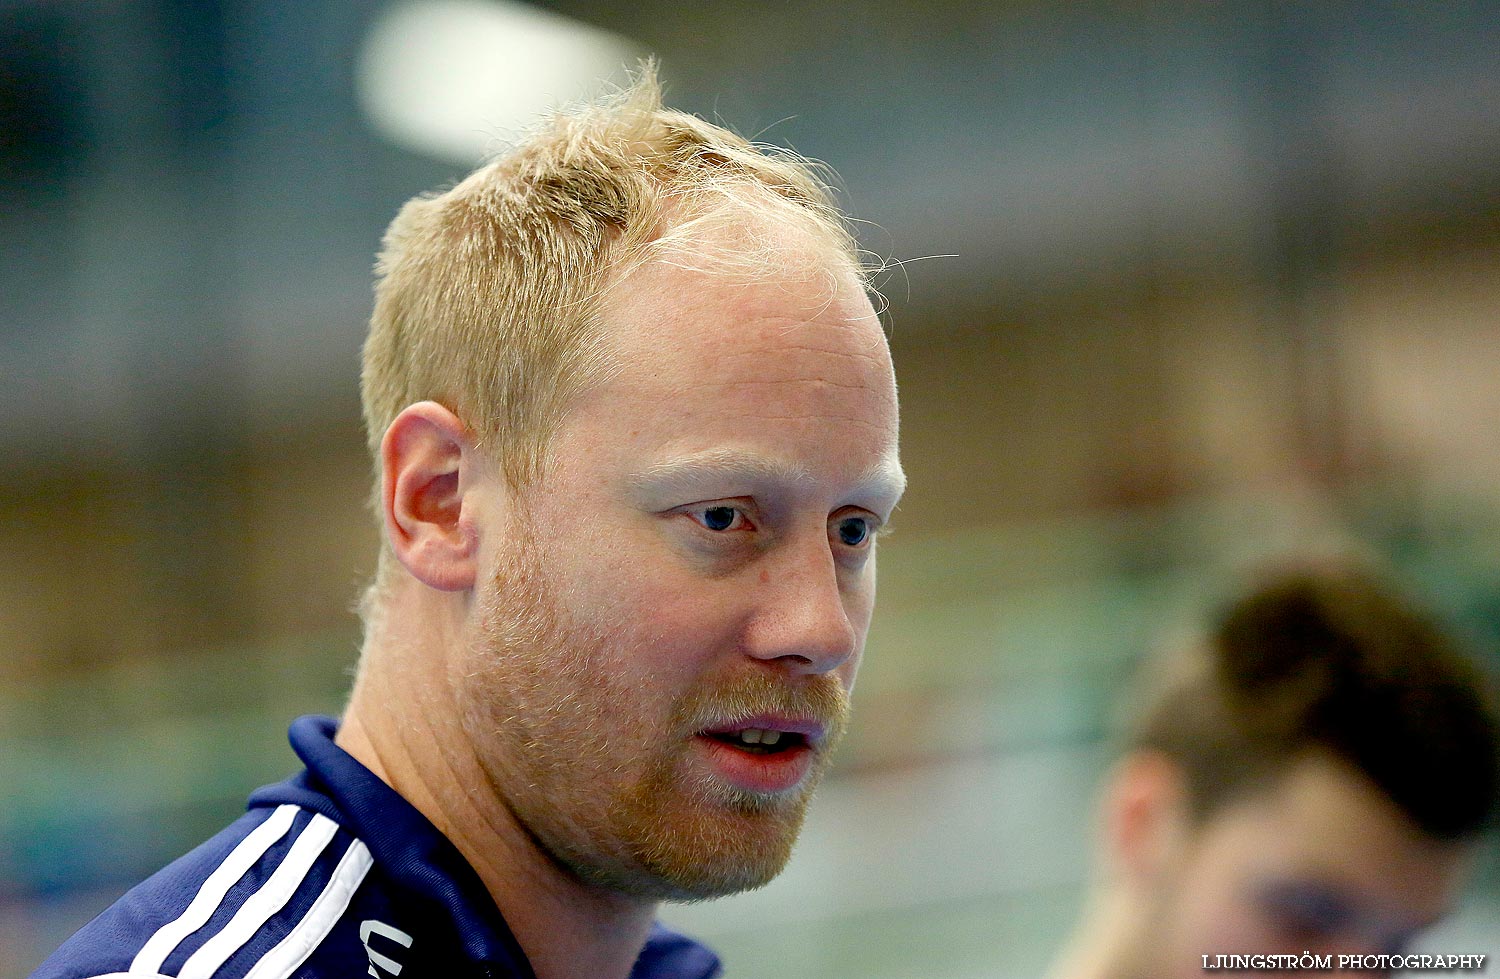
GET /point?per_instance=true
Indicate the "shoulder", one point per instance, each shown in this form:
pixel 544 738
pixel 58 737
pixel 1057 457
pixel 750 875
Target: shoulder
pixel 254 902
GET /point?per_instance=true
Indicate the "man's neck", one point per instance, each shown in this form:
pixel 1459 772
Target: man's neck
pixel 568 929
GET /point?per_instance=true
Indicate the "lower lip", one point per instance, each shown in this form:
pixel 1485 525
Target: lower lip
pixel 766 774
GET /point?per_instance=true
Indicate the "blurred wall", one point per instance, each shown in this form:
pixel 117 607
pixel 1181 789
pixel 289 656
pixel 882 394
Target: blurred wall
pixel 1225 282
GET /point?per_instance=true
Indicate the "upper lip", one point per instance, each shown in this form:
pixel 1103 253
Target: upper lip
pixel 811 730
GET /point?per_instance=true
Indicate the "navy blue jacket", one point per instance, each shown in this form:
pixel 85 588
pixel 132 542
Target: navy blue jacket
pixel 330 874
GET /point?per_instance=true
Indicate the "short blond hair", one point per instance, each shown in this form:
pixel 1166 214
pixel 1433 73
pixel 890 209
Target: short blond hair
pixel 488 294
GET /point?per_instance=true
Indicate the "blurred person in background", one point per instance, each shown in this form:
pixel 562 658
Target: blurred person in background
pixel 635 430
pixel 1311 778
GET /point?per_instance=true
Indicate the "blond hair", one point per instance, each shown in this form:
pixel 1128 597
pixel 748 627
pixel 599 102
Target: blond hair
pixel 488 294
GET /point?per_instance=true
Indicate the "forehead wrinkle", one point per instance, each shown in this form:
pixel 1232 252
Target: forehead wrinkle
pixel 839 369
pixel 793 339
pixel 751 383
pixel 877 429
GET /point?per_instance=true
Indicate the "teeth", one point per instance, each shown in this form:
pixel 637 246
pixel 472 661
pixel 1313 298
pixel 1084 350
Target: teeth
pixel 756 735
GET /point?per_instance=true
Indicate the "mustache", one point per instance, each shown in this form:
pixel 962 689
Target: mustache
pixel 820 698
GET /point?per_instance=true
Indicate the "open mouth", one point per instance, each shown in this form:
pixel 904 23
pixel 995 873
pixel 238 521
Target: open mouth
pixel 766 755
pixel 760 741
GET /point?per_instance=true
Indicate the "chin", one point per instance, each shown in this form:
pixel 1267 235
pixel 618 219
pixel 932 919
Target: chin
pixel 707 881
pixel 700 856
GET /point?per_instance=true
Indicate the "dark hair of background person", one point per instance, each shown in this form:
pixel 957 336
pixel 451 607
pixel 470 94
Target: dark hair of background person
pixel 1333 659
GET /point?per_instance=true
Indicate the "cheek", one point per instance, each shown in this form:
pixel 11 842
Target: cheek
pixel 859 605
pixel 607 580
pixel 1212 909
pixel 661 626
pixel 1237 928
pixel 690 623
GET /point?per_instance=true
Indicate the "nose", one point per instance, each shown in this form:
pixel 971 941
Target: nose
pixel 802 616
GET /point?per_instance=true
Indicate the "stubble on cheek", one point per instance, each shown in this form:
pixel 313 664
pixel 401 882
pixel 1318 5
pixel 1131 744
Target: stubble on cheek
pixel 534 702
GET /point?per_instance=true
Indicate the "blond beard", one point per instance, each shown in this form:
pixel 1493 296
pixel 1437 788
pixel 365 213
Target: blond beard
pixel 606 799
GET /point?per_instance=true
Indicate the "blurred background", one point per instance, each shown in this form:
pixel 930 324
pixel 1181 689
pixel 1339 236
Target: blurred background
pixel 1224 281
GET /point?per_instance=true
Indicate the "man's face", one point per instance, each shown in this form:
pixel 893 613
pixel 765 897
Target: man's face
pixel 1321 861
pixel 694 574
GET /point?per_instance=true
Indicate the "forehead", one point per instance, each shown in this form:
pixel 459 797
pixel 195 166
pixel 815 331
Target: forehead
pixel 783 374
pixel 1325 821
pixel 735 270
pixel 793 339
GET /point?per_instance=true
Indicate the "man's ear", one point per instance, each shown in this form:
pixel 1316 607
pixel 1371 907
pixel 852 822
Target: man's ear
pixel 1146 818
pixel 426 460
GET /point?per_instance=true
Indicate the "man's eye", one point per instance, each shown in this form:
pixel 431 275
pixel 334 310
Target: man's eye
pixel 1306 912
pixel 854 531
pixel 722 518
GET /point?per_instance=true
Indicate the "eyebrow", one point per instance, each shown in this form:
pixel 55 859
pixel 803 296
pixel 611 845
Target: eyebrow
pixel 886 479
pixel 719 464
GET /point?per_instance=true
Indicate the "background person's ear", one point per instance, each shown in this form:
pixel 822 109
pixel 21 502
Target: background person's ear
pixel 423 458
pixel 1146 817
